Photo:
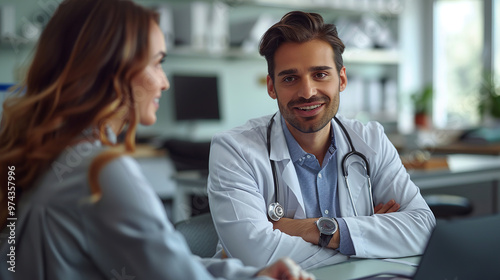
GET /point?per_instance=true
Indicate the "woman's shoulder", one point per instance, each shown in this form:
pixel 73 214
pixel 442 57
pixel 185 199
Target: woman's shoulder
pixel 122 168
pixel 69 172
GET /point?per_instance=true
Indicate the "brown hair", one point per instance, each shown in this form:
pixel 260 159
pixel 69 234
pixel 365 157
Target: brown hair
pixel 79 78
pixel 299 27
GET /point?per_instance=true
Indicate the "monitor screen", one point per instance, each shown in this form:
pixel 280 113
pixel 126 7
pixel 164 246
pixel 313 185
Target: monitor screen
pixel 195 97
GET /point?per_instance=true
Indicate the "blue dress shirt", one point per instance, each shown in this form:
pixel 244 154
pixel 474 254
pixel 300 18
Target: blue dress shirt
pixel 319 185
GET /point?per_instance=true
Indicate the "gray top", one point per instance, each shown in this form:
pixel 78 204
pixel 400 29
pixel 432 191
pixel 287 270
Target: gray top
pixel 61 233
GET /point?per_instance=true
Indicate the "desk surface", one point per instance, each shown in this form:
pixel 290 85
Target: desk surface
pixel 356 268
pixel 468 148
pixel 148 151
pixel 462 169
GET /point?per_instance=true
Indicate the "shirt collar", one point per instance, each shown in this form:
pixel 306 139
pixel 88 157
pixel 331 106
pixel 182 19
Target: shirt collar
pixel 296 151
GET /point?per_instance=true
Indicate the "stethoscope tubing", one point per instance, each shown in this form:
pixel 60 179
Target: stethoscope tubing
pixel 345 170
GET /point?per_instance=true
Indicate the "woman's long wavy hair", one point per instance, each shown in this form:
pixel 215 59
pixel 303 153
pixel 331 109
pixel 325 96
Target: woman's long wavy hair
pixel 79 78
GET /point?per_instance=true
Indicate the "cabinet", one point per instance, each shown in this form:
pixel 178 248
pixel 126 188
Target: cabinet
pixel 370 30
pixel 244 20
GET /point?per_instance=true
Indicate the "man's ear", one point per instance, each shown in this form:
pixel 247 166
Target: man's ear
pixel 270 87
pixel 343 79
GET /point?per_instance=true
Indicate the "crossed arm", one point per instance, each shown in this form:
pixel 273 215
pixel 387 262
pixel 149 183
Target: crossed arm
pixel 307 229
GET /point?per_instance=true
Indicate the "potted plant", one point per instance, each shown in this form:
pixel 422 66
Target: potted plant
pixel 422 102
pixel 489 105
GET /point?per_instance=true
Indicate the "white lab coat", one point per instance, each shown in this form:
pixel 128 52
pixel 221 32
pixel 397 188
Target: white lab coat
pixel 240 188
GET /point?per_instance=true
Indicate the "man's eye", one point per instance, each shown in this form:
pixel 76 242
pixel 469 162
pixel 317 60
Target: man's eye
pixel 321 75
pixel 288 79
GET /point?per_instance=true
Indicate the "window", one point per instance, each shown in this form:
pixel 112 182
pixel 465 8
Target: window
pixel 496 38
pixel 458 62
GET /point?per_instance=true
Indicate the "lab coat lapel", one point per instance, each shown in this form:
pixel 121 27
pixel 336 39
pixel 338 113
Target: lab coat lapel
pixel 357 180
pixel 289 191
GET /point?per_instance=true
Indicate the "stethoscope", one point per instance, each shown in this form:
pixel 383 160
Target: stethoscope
pixel 275 211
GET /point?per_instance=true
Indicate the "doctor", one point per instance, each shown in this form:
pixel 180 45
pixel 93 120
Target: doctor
pixel 308 209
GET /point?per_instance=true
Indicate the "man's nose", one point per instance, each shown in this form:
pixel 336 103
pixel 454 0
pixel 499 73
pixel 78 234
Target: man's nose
pixel 307 89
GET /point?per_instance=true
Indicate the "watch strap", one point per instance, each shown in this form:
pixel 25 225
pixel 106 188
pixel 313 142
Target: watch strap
pixel 324 240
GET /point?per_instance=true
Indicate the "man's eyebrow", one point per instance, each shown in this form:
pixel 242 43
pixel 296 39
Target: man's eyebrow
pixel 311 69
pixel 319 68
pixel 287 72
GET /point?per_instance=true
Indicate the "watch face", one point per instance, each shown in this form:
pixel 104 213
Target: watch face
pixel 327 226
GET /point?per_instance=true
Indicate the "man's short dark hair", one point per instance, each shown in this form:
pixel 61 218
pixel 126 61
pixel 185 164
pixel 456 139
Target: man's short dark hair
pixel 300 27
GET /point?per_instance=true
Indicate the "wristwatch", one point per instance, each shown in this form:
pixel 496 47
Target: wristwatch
pixel 327 227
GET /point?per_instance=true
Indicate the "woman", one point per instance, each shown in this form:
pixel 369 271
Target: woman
pixel 79 207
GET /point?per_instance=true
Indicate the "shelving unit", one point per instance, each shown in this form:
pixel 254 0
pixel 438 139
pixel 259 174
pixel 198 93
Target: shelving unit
pixel 362 56
pixel 372 68
pixel 241 10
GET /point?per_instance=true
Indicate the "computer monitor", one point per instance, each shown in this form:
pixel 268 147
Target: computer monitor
pixel 196 97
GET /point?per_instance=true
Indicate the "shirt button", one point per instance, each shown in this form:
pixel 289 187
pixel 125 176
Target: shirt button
pixel 326 212
pixel 320 176
pixel 308 156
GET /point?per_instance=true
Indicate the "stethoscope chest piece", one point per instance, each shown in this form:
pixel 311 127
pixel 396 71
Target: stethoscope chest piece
pixel 275 211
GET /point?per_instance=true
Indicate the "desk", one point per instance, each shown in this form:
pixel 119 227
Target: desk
pixel 356 268
pixel 468 148
pixel 159 171
pixel 428 140
pixel 463 169
pixel 171 186
pixel 188 183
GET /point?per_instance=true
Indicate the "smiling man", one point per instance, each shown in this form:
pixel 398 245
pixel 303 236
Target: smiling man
pixel 306 182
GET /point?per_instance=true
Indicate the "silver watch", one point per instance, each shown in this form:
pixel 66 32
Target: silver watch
pixel 327 228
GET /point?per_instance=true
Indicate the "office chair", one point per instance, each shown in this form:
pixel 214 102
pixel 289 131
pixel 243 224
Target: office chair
pixel 188 155
pixel 445 206
pixel 200 234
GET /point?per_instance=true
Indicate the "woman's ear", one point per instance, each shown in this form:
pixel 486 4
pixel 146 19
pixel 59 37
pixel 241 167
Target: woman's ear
pixel 270 87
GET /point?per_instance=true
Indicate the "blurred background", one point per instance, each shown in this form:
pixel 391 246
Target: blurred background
pixel 427 70
pixel 397 50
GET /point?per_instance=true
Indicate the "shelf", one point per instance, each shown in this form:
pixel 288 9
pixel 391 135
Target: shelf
pixel 371 56
pixel 341 6
pixel 230 53
pixel 368 56
pixel 344 7
pixel 14 42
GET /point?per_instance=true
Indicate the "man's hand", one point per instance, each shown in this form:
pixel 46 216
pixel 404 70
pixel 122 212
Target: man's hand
pixel 389 207
pixel 285 268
